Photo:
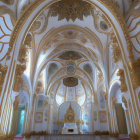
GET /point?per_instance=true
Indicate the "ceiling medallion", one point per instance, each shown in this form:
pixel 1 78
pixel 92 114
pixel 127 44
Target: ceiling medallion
pixel 70 81
pixel 70 9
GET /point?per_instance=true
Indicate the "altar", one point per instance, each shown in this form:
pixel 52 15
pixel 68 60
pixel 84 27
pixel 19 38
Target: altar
pixel 70 126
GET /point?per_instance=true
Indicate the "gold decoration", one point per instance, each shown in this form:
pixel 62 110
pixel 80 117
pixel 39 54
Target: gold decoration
pixel 39 117
pixel 78 122
pixel 28 40
pixel 99 75
pixel 34 133
pixel 70 116
pixel 22 57
pixel 124 101
pixel 135 72
pixel 70 81
pixel 9 2
pixel 3 71
pixel 71 9
pixel 106 20
pixel 101 133
pixel 16 103
pixel 116 53
pixel 108 4
pixel 102 116
pixel 58 122
pixel 82 122
pixel 36 25
pixel 39 87
pixel 123 86
pixel 18 79
pixel 70 55
pixel 114 134
pixel 7 137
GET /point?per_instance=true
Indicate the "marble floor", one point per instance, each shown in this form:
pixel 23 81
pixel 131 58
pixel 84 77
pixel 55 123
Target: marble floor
pixel 72 137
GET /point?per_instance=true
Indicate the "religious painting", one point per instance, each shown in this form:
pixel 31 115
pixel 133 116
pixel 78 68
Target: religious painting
pixel 102 116
pixel 39 117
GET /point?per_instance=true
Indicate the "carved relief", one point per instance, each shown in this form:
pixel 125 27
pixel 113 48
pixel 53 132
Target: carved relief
pixel 71 9
pixel 70 116
pixel 102 116
pixel 3 71
pixel 39 117
pixel 39 87
pixel 116 53
pixel 135 72
pixel 18 81
pixel 28 40
pixel 99 75
pixel 123 86
pixel 36 25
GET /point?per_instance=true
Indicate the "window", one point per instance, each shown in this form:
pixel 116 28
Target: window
pixel 21 113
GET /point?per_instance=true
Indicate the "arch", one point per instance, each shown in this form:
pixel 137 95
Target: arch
pixel 113 91
pixel 29 16
pixel 24 22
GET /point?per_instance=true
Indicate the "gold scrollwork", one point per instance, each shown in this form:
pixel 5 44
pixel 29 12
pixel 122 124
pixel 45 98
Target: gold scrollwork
pixel 3 71
pixel 124 101
pixel 135 72
pixel 123 86
pixel 18 80
pixel 70 115
pixel 71 9
pixel 116 53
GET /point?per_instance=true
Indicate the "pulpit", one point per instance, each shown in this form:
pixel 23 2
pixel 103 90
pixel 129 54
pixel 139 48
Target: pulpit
pixel 70 126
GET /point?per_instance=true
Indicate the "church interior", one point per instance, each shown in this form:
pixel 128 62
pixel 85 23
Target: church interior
pixel 69 69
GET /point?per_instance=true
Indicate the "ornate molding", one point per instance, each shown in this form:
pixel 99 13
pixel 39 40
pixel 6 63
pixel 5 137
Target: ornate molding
pixel 124 101
pixel 34 133
pixel 123 86
pixel 71 9
pixel 39 87
pixel 70 116
pixel 108 4
pixel 3 71
pixel 134 68
pixel 116 53
pixel 9 2
pixel 18 79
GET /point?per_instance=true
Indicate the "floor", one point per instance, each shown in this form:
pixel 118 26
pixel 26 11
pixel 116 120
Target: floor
pixel 74 137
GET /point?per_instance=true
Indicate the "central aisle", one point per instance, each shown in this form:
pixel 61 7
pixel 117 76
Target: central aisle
pixel 71 137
